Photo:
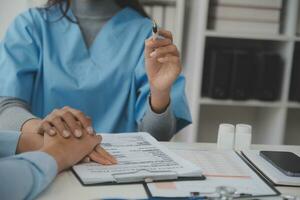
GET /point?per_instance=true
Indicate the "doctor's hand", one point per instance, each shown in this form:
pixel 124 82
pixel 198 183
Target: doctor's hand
pixel 68 152
pixel 163 66
pixel 68 122
pixel 65 121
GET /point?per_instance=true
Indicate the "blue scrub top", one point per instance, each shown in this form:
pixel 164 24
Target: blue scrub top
pixel 45 62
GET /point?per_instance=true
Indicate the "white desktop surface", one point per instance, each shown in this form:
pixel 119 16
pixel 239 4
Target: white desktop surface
pixel 66 186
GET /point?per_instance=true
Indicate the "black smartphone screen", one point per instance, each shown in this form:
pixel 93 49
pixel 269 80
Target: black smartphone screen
pixel 286 162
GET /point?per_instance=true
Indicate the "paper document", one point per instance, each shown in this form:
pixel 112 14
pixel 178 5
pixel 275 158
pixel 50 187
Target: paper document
pixel 217 163
pixel 139 157
pixel 221 168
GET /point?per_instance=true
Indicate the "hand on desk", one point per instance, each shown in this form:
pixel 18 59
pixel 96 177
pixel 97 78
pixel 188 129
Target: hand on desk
pixel 69 151
pixel 66 122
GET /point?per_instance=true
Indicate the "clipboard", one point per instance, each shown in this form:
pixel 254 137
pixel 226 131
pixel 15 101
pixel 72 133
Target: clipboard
pixel 242 196
pixel 129 178
pixel 142 159
pixel 262 174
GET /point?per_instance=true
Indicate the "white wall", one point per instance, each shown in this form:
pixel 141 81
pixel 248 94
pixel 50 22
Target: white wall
pixel 9 9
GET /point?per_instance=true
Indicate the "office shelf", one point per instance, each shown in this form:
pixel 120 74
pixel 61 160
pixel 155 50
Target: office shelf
pixel 272 122
pixel 246 103
pixel 292 126
pixel 216 34
pixel 295 105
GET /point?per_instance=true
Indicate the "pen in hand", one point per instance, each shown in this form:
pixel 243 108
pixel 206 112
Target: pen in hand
pixel 155 31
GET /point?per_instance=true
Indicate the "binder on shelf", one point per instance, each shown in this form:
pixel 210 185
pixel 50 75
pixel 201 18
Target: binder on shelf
pixel 206 72
pixel 242 76
pixel 295 79
pixel 217 74
pixel 269 71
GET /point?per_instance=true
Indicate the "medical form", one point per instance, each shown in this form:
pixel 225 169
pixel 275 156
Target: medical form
pixel 140 158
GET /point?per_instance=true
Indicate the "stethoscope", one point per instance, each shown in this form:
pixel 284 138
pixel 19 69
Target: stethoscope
pixel 224 193
pixel 230 193
pixel 221 193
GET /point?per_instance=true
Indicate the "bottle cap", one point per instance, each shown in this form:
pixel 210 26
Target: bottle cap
pixel 243 128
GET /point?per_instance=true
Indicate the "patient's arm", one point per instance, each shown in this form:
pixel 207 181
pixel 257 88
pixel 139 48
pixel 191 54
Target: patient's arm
pixel 24 176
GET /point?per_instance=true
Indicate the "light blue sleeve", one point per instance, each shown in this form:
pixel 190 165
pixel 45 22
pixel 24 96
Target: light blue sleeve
pixel 19 58
pixel 8 143
pixel 26 175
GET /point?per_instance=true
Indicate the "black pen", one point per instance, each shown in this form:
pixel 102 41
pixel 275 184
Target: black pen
pixel 155 30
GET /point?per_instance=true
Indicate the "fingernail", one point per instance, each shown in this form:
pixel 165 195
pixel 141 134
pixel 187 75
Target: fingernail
pixel 90 130
pixel 66 133
pixel 78 133
pixel 52 132
pixel 153 54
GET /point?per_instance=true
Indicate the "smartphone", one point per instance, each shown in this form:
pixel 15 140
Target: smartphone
pixel 287 162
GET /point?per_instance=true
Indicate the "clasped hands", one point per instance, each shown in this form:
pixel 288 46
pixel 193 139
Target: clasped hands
pixel 65 131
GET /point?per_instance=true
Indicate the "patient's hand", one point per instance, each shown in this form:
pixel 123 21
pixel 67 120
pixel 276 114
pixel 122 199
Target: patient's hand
pixel 29 141
pixel 34 142
pixel 68 152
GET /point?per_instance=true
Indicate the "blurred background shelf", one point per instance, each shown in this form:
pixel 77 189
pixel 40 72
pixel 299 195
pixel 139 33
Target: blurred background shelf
pixel 295 105
pixel 246 103
pixel 278 37
pixel 274 122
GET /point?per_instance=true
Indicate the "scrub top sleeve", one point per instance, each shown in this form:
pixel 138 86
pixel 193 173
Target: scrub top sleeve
pixel 179 104
pixel 19 58
pixel 143 90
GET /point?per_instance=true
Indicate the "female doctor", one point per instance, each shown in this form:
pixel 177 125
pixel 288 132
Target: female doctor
pixel 74 62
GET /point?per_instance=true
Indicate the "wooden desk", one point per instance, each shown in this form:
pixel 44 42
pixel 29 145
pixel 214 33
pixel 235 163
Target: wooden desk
pixel 66 186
